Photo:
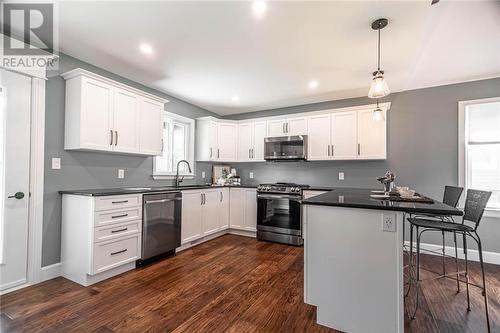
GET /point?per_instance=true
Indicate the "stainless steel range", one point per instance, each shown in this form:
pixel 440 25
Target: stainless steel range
pixel 279 217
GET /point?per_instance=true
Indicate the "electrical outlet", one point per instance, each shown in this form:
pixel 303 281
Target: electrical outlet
pixel 388 222
pixel 341 176
pixel 203 174
pixel 250 175
pixel 56 163
pixel 121 173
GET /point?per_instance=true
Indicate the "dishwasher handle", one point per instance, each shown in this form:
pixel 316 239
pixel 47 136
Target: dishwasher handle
pixel 161 200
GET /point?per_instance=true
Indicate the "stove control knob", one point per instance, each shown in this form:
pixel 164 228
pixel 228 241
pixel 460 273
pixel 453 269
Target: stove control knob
pixel 268 188
pixel 259 188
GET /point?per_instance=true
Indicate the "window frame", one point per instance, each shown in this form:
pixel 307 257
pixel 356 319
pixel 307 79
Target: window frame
pixel 462 149
pixel 190 146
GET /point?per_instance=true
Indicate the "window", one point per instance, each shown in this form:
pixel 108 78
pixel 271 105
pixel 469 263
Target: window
pixel 178 144
pixel 479 147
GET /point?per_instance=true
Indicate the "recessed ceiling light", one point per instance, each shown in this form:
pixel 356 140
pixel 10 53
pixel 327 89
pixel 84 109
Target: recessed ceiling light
pixel 235 98
pixel 259 8
pixel 313 84
pixel 146 48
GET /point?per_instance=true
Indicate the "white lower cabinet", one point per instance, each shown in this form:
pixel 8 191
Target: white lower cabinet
pixel 101 236
pixel 243 208
pixel 204 212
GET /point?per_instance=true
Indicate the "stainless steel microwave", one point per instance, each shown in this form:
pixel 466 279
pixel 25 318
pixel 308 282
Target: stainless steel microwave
pixel 286 148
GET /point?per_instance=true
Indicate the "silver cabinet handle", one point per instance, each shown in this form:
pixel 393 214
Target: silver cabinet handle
pixel 116 138
pixel 218 153
pixel 253 154
pixel 111 136
pixel 204 198
pixel 333 150
pixel 328 150
pixel 117 202
pixel 284 128
pixel 359 149
pixel 220 196
pixel 118 252
pixel 210 152
pixel 249 154
pixel 162 145
pixel 118 216
pixel 201 196
pixel 119 230
pixel 17 195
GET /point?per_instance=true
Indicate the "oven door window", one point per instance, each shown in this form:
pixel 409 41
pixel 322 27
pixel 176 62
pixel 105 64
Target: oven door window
pixel 278 213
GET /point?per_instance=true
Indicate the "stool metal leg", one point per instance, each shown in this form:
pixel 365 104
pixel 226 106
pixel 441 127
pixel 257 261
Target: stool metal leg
pixel 480 250
pixel 417 281
pixel 456 261
pixel 410 262
pixel 443 261
pixel 466 271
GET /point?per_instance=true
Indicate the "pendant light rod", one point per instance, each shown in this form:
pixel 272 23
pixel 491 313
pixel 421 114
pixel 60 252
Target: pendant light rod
pixel 378 66
pixel 379 25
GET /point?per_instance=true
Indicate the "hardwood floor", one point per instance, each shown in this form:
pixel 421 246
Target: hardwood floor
pixel 229 284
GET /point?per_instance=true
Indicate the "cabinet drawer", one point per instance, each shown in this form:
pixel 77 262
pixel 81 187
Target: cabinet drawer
pixel 117 216
pixel 115 253
pixel 116 231
pixel 117 201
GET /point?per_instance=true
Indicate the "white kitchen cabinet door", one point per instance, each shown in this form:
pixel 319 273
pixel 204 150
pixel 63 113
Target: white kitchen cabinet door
pixel 151 127
pixel 245 141
pixel 223 208
pixel 126 121
pixel 296 126
pixel 96 128
pixel 210 211
pixel 276 127
pixel 344 135
pixel 250 198
pixel 259 133
pixel 237 208
pixel 227 141
pixel 319 140
pixel 191 216
pixel 371 136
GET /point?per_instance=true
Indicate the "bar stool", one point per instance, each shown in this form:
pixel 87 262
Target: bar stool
pixel 475 204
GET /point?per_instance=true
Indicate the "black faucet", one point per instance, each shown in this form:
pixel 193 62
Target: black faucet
pixel 177 180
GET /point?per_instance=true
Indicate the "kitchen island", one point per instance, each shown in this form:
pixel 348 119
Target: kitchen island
pixel 353 258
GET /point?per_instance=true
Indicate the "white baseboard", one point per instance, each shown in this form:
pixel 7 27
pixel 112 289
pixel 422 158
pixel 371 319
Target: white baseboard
pixel 488 257
pixel 50 272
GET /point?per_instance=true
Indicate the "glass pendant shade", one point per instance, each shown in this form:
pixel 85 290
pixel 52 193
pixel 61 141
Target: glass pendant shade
pixel 378 114
pixel 379 86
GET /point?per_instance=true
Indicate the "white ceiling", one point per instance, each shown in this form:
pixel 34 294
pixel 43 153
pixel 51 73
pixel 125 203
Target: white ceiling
pixel 206 52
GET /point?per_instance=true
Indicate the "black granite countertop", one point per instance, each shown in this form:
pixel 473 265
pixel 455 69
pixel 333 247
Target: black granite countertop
pixel 360 198
pixel 153 189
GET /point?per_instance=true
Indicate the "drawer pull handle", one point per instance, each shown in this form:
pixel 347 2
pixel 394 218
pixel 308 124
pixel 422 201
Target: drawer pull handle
pixel 118 252
pixel 117 202
pixel 119 230
pixel 118 216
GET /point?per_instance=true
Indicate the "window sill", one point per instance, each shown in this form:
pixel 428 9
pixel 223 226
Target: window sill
pixel 170 177
pixel 494 213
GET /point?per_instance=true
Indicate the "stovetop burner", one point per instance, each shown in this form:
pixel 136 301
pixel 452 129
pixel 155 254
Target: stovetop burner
pixel 282 187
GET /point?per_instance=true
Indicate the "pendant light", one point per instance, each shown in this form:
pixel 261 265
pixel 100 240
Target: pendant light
pixel 378 114
pixel 379 86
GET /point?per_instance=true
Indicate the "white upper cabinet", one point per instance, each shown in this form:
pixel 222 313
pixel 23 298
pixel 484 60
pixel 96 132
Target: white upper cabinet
pixel 216 140
pixel 344 135
pixel 105 115
pixel 371 135
pixel 227 141
pixel 287 126
pixel 251 141
pixel 125 120
pixel 337 134
pixel 319 139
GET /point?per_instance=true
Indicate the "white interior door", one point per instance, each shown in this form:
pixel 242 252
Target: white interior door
pixel 15 99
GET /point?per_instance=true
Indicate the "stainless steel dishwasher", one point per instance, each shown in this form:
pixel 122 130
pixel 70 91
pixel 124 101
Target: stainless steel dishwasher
pixel 161 224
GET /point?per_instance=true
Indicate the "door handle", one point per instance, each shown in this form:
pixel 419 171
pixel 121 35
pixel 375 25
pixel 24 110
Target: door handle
pixel 17 195
pixel 111 136
pixel 201 196
pixel 218 153
pixel 249 154
pixel 221 196
pixel 210 152
pixel 162 145
pixel 286 127
pixel 283 128
pixel 253 154
pixel 116 138
pixel 359 149
pixel 119 230
pixel 333 150
pixel 328 150
pixel 118 252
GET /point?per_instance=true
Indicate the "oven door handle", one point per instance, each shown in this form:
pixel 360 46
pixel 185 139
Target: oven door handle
pixel 289 197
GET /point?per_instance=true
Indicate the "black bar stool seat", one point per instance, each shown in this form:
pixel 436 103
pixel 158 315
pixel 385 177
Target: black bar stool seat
pixel 439 225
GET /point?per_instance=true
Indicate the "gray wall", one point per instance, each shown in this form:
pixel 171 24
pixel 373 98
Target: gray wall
pixel 422 149
pixel 91 170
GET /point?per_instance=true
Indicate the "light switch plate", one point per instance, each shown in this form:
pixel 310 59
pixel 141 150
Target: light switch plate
pixel 250 175
pixel 121 173
pixel 56 163
pixel 388 222
pixel 203 174
pixel 341 176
